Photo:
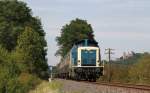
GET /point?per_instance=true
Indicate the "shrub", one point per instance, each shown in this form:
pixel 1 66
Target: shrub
pixel 139 73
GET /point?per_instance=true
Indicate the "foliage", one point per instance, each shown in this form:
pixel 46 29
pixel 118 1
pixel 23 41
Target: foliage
pixel 131 60
pixel 54 85
pixel 12 77
pixel 28 81
pixel 70 33
pixel 14 17
pixel 3 54
pixel 135 72
pixel 117 73
pixel 139 72
pixel 30 47
pixel 22 44
pixel 46 87
pixel 8 73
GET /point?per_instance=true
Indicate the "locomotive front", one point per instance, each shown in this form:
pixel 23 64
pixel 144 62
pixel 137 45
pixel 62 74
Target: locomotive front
pixel 85 60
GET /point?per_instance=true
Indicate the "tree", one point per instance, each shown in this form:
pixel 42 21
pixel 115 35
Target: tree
pixel 77 30
pixel 22 48
pixel 30 49
pixel 14 17
pixel 8 72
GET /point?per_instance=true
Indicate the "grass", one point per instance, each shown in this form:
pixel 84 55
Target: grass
pixel 48 87
pixel 54 85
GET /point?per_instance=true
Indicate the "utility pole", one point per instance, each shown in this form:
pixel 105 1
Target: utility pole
pixel 109 52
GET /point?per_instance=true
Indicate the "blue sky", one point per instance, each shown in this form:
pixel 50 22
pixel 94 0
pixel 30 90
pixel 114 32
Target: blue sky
pixel 123 25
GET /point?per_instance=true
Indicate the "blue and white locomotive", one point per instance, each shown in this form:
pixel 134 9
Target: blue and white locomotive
pixel 83 62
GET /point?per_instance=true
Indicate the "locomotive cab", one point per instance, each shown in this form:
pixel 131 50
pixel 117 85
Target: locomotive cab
pixel 85 60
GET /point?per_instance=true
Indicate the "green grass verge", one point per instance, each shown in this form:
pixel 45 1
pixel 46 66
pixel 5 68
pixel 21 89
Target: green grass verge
pixel 48 87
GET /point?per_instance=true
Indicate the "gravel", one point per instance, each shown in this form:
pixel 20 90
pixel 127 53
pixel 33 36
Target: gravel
pixel 70 86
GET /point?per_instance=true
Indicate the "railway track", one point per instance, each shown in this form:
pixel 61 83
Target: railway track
pixel 101 87
pixel 121 85
pixel 131 86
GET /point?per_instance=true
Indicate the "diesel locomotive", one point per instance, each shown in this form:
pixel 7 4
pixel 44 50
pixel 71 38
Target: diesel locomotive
pixel 83 62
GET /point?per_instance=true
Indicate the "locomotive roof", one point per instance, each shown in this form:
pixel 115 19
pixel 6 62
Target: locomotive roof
pixel 89 41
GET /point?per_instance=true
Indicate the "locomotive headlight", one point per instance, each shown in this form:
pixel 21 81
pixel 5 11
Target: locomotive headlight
pixel 98 62
pixel 78 61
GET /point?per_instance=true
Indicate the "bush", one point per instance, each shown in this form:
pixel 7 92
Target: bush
pixel 139 72
pixel 28 81
pixel 8 78
pixel 13 79
pixel 117 73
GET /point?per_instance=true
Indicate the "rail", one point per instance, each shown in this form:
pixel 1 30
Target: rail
pixel 133 86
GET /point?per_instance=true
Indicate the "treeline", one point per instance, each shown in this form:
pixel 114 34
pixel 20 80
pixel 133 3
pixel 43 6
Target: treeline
pixel 22 48
pixel 132 70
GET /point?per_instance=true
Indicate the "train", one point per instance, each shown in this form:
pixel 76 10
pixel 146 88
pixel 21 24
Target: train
pixel 83 62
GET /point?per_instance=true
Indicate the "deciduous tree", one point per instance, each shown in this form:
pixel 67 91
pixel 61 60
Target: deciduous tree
pixel 14 17
pixel 30 48
pixel 77 30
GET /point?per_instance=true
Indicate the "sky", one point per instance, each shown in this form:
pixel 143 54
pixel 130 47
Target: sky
pixel 123 25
